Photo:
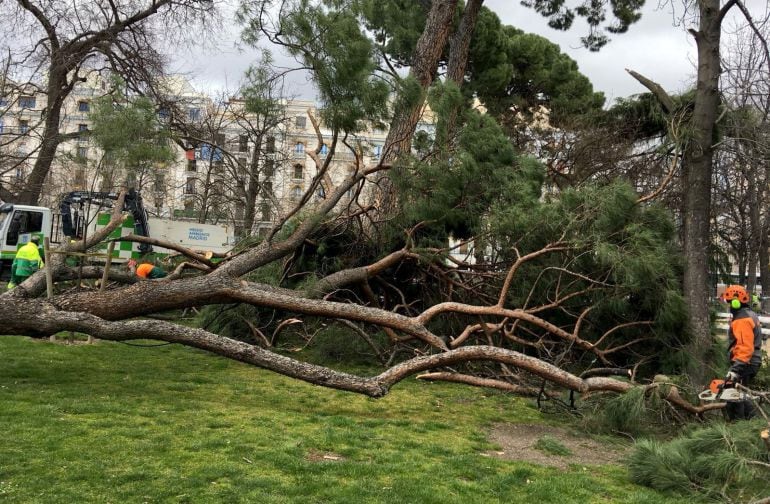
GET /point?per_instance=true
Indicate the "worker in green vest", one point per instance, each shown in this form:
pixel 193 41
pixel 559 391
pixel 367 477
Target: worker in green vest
pixel 26 262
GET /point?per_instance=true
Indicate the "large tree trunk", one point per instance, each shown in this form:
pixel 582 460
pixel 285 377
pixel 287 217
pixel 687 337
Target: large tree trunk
pixel 461 42
pixel 30 193
pixel 252 189
pixel 429 48
pixel 697 184
pixel 459 48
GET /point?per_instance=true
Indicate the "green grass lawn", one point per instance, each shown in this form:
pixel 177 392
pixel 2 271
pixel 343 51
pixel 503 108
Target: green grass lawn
pixel 114 423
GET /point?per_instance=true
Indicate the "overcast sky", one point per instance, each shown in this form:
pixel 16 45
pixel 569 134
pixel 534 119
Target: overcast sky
pixel 654 47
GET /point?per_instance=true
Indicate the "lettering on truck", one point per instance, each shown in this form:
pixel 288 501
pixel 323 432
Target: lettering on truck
pixel 197 234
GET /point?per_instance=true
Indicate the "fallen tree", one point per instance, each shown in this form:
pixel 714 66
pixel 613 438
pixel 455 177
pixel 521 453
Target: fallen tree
pixel 558 284
pixel 118 313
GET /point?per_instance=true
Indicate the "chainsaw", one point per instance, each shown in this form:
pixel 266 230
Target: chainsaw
pixel 724 390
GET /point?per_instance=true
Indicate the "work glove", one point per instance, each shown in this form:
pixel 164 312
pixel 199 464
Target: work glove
pixel 732 376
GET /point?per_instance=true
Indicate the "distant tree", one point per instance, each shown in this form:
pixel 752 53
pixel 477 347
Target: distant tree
pixel 261 117
pixel 745 149
pixel 515 72
pixel 133 142
pixel 238 141
pixel 64 41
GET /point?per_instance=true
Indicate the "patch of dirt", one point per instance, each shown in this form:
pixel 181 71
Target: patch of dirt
pixel 318 456
pixel 517 442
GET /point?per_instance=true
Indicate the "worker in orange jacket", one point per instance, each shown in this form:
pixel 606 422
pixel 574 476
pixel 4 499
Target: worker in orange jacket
pixel 148 271
pixel 744 347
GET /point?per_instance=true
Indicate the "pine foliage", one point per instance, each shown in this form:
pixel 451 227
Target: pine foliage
pixel 718 461
pixel 127 129
pixel 630 247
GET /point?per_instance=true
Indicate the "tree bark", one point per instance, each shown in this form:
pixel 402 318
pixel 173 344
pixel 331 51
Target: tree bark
pixel 459 48
pixel 30 193
pixel 697 187
pixel 461 42
pixel 429 48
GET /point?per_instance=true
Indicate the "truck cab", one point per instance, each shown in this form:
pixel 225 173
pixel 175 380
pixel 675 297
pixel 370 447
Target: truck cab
pixel 17 224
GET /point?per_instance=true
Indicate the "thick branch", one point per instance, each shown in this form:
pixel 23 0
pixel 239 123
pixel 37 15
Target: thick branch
pixel 484 382
pixel 195 256
pixel 656 89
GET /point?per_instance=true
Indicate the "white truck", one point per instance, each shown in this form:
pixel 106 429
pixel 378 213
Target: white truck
pixel 82 213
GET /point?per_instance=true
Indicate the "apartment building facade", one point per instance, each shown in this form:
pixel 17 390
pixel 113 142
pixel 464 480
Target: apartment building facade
pixel 222 164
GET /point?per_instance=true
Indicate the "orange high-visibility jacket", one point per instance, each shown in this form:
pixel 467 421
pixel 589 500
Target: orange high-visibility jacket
pixel 745 338
pixel 144 269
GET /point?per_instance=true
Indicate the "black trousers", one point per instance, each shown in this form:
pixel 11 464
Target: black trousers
pixel 743 410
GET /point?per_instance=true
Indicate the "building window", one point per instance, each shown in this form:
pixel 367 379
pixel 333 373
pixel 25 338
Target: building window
pixel 267 187
pixel 2 125
pixel 82 128
pixel 320 193
pixel 194 114
pixel 299 148
pixel 163 113
pixel 27 102
pixel 191 165
pixel 219 139
pixel 189 187
pixel 300 121
pixel 298 169
pixel 80 178
pixel 219 167
pixel 377 151
pixel 243 143
pixel 264 209
pixel 210 153
pixel 324 149
pixel 160 182
pixel 296 193
pixel 19 173
pixel 189 208
pixel 82 153
pixel 269 167
pixel 3 102
pixel 23 127
pixel 84 106
pixel 270 144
